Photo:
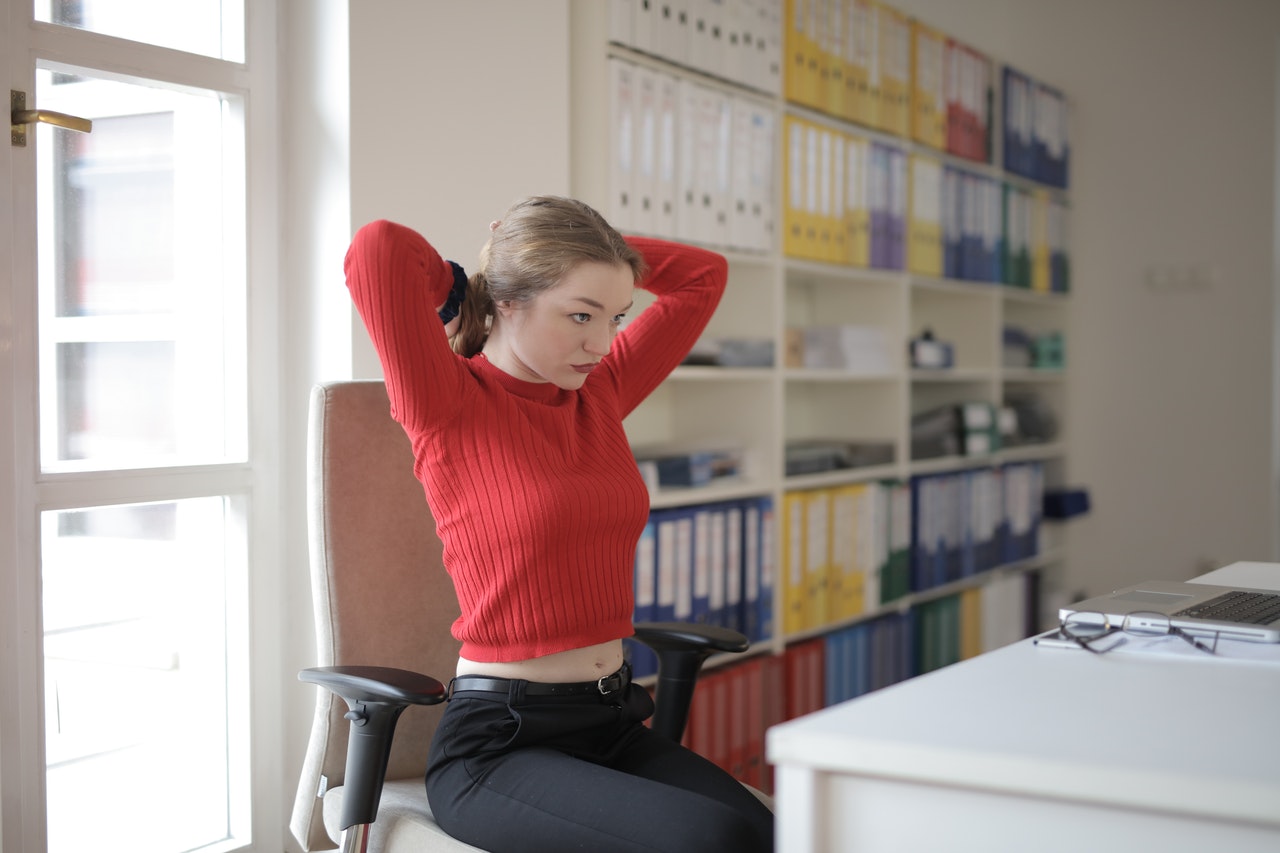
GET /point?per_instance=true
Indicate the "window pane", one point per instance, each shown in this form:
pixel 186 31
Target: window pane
pixel 141 291
pixel 103 418
pixel 117 192
pixel 208 27
pixel 140 676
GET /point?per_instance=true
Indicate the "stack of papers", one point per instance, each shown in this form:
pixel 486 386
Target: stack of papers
pixel 1171 646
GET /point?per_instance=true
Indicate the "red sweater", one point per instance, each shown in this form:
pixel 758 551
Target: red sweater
pixel 534 489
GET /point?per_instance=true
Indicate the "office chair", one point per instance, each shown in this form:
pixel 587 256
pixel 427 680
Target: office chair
pixel 383 608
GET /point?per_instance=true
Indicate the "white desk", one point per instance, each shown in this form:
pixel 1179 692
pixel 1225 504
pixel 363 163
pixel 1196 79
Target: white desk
pixel 1038 749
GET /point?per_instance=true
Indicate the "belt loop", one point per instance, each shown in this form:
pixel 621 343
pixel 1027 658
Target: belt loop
pixel 515 691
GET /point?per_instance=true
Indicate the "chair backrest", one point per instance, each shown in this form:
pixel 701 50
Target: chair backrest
pixel 381 594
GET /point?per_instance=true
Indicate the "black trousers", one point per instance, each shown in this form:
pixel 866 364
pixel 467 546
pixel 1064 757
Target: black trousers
pixel 511 772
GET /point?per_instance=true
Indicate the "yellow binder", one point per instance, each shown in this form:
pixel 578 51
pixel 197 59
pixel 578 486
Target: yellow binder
pixel 823 212
pixel 851 549
pixel 795 608
pixel 859 55
pixel 836 33
pixel 894 42
pixel 857 212
pixel 839 232
pixel 796 53
pixel 1040 279
pixel 811 245
pixel 817 556
pixel 924 216
pixel 802 81
pixel 793 188
pixel 843 530
pixel 928 97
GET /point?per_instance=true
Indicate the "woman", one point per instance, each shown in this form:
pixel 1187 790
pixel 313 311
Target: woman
pixel 518 441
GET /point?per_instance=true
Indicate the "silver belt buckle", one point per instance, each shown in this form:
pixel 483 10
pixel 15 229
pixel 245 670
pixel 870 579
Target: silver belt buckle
pixel 607 684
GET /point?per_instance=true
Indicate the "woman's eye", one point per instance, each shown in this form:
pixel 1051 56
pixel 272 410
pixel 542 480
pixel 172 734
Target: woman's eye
pixel 580 317
pixel 618 318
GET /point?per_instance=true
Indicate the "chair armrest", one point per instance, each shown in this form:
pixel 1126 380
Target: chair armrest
pixel 681 648
pixel 376 696
pixel 690 636
pixel 376 684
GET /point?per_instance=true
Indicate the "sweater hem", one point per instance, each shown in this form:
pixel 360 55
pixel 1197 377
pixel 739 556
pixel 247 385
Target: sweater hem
pixel 512 652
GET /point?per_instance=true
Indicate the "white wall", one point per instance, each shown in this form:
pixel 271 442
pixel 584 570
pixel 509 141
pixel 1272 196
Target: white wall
pixel 1173 169
pixel 316 229
pixel 436 114
pixel 457 110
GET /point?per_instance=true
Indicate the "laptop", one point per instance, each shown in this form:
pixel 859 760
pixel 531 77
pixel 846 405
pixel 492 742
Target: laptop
pixel 1231 612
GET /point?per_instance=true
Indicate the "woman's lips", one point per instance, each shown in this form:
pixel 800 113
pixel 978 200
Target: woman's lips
pixel 585 368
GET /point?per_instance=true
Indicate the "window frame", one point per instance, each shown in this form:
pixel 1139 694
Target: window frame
pixel 254 487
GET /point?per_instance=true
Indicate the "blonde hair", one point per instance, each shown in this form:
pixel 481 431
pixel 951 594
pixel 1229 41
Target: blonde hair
pixel 535 244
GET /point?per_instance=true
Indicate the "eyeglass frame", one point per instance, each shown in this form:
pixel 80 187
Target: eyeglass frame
pixel 1106 629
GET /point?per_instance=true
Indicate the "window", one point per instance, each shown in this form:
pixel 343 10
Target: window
pixel 144 481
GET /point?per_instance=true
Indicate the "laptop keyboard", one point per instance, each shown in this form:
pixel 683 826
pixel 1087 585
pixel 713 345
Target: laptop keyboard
pixel 1253 608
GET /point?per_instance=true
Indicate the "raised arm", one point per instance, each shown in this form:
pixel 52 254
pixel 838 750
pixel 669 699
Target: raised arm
pixel 688 282
pixel 397 280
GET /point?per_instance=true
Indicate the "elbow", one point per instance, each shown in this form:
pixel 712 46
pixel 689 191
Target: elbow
pixel 380 232
pixel 367 241
pixel 718 273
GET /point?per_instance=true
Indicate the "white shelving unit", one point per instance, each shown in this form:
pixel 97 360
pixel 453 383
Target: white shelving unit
pixel 761 409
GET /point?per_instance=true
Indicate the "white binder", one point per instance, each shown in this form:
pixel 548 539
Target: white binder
pixel 645 162
pixel 621 144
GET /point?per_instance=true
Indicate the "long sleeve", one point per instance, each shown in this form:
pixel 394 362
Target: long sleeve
pixel 534 489
pixel 397 279
pixel 688 282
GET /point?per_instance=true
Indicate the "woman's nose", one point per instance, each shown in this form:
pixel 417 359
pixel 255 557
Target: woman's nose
pixel 600 342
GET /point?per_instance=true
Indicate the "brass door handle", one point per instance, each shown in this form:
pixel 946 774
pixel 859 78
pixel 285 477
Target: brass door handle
pixel 20 117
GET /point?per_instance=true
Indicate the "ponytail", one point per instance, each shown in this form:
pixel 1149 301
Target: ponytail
pixel 473 326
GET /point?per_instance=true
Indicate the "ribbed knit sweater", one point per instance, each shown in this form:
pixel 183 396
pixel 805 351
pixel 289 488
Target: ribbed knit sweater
pixel 534 489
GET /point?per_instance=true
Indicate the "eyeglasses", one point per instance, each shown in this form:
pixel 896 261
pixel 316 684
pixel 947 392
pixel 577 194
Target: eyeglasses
pixel 1087 628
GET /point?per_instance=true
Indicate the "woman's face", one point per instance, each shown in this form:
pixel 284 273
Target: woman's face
pixel 562 333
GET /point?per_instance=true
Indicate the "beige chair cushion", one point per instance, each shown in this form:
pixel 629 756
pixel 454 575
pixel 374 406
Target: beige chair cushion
pixel 404 821
pixel 381 594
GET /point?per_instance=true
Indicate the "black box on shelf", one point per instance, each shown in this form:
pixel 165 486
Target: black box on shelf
pixel 813 456
pixel 929 353
pixel 669 467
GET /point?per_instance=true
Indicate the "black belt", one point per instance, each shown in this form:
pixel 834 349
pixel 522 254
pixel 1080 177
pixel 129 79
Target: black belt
pixel 606 686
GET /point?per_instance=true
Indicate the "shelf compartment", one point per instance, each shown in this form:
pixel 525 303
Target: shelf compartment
pixel 977 387
pixel 965 317
pixel 843 411
pixel 733 414
pixel 819 294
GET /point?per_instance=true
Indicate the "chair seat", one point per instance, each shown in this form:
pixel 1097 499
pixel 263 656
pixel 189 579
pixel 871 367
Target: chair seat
pixel 404 821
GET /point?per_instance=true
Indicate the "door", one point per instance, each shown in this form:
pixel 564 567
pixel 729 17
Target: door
pixel 137 357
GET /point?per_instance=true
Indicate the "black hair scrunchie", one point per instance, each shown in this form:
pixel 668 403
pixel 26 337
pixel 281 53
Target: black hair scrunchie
pixel 454 303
